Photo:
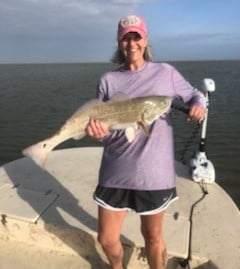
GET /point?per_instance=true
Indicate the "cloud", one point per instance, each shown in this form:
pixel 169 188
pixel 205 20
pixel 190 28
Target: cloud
pixel 197 46
pixel 200 38
pixel 58 24
pixel 33 17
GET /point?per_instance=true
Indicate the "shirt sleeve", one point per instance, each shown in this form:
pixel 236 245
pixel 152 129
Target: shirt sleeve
pixel 185 91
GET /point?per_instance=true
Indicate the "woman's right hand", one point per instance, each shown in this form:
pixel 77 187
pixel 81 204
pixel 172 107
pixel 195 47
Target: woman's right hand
pixel 97 129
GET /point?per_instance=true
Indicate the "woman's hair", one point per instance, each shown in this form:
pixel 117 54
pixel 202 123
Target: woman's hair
pixel 118 57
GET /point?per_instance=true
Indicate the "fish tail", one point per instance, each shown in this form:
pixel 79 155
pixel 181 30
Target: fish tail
pixel 38 152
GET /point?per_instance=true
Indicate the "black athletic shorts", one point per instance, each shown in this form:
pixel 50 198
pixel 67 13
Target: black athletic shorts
pixel 142 202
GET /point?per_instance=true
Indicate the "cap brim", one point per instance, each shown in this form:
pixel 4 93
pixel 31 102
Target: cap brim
pixel 132 29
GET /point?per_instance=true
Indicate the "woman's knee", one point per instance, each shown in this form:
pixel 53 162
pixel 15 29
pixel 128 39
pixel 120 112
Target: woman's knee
pixel 151 228
pixel 109 229
pixel 153 236
pixel 107 241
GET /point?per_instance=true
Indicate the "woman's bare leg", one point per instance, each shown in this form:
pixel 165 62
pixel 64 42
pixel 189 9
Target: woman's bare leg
pixel 109 230
pixel 151 226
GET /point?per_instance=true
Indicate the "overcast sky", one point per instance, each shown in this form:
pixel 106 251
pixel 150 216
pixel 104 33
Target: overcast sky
pixel 85 30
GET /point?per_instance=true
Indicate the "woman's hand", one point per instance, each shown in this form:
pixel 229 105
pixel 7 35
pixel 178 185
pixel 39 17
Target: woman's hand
pixel 97 129
pixel 196 113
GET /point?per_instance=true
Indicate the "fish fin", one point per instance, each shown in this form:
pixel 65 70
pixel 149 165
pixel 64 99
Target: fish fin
pixel 130 133
pixel 144 128
pixel 38 152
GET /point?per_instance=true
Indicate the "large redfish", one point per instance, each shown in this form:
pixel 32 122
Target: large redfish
pixel 126 114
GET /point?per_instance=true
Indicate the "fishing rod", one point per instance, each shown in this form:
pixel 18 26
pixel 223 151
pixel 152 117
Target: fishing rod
pixel 202 169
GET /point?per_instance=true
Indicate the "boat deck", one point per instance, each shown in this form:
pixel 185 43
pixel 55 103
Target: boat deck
pixel 49 215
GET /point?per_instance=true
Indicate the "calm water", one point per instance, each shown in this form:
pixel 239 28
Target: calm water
pixel 36 99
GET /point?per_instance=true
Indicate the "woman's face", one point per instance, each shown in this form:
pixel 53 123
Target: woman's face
pixel 133 46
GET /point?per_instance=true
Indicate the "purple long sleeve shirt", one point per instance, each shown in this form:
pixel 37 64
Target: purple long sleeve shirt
pixel 148 162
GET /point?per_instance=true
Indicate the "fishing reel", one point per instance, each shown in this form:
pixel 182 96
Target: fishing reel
pixel 202 169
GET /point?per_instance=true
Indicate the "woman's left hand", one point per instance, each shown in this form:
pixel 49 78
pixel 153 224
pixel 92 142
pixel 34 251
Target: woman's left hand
pixel 97 129
pixel 196 113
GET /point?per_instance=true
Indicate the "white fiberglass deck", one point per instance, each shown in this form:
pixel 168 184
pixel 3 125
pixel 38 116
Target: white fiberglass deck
pixel 53 210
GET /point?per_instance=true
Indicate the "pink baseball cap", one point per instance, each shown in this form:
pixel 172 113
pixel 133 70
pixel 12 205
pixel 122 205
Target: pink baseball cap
pixel 131 23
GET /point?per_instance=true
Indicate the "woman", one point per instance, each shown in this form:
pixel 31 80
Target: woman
pixel 140 175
